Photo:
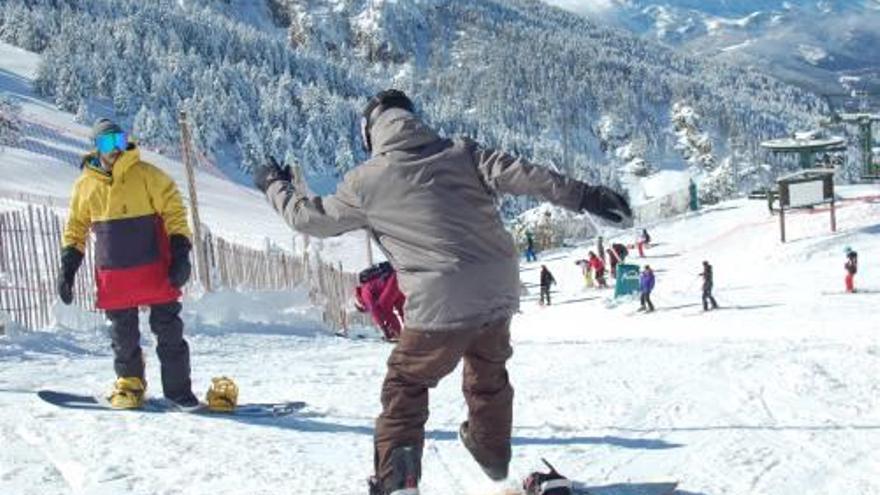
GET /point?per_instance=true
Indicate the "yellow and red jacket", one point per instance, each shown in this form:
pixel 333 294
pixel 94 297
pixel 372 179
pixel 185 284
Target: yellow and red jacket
pixel 132 212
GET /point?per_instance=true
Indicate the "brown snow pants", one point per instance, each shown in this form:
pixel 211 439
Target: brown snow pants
pixel 419 361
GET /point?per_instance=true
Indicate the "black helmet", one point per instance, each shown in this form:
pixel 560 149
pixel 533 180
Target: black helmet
pixel 390 98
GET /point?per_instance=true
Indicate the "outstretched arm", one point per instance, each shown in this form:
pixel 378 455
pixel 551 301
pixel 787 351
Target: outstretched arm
pixel 326 216
pixel 503 173
pixel 506 174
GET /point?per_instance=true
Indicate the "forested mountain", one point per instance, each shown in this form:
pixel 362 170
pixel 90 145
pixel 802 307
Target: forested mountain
pixel 289 77
pixel 811 43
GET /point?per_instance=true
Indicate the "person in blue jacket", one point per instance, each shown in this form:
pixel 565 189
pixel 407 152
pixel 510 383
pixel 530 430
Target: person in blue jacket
pixel 646 285
pixel 530 248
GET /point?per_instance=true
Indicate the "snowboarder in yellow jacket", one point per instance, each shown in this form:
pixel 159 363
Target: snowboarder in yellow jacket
pixel 142 245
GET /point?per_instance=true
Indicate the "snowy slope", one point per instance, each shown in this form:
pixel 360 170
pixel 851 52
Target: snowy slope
pixel 776 393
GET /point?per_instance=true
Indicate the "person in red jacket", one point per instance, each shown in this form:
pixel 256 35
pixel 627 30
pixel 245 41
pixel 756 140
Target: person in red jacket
pixel 380 295
pixel 643 241
pixel 598 266
pixel 851 266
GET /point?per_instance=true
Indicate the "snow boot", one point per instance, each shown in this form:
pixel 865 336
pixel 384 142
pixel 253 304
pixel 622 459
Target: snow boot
pixel 128 393
pixel 551 483
pixel 186 401
pixel 405 474
pixel 495 471
pixel 222 395
pixel 375 486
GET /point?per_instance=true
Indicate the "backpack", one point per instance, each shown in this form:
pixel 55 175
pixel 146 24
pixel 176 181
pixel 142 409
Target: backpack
pixel 852 262
pixel 375 271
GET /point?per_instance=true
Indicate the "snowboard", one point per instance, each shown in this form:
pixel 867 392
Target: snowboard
pixel 653 488
pixel 656 488
pixel 160 405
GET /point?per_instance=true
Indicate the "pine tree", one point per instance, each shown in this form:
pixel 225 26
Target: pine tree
pixel 10 122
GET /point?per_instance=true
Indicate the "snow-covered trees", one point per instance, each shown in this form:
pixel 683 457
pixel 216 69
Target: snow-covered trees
pixel 694 144
pixel 513 74
pixel 10 123
pixel 719 183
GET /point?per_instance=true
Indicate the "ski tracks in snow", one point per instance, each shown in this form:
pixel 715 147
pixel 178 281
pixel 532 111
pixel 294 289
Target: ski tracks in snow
pixel 786 416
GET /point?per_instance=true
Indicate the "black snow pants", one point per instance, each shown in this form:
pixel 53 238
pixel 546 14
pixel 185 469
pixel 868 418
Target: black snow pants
pixel 707 298
pixel 172 349
pixel 646 301
pixel 545 295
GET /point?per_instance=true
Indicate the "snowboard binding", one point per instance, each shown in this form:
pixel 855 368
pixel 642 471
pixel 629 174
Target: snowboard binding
pixel 222 396
pixel 551 483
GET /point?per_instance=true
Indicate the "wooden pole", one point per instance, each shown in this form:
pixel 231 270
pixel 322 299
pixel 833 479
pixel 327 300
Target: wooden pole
pixel 20 269
pixel 833 217
pixel 782 222
pixel 40 301
pixel 369 236
pixel 7 296
pixel 50 255
pixel 201 258
pixel 781 212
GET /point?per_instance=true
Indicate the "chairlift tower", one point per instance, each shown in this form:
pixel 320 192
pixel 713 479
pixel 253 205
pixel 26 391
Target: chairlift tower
pixel 806 147
pixel 865 123
pixel 864 120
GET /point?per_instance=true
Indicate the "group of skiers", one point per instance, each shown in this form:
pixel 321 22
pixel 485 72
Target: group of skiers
pixel 428 201
pixel 593 270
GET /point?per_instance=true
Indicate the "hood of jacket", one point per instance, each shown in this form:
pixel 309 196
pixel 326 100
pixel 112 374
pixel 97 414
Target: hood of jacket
pixel 396 129
pixel 91 163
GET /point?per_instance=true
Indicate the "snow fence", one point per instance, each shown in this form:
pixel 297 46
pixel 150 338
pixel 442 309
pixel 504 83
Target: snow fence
pixel 30 243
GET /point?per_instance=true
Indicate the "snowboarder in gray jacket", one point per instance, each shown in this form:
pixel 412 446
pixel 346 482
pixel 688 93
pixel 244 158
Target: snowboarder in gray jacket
pixel 430 203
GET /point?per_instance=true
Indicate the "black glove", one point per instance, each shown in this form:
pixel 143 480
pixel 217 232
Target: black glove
pixel 180 269
pixel 606 203
pixel 270 172
pixel 71 259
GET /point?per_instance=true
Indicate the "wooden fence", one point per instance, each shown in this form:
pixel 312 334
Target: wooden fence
pixel 30 244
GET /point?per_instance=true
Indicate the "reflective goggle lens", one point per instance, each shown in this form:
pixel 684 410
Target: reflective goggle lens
pixel 106 143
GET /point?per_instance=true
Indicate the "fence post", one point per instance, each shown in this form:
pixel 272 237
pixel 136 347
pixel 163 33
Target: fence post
pixel 41 303
pixel 369 237
pixel 201 259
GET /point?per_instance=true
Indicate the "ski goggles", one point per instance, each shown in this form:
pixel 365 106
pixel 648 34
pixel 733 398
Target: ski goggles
pixel 106 143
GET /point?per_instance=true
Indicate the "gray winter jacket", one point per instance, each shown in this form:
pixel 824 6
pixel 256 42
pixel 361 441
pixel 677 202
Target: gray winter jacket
pixel 430 204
